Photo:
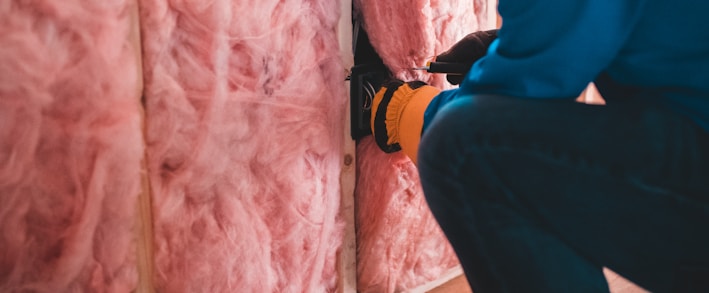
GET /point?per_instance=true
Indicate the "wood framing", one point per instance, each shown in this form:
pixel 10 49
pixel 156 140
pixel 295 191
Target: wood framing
pixel 347 257
pixel 144 222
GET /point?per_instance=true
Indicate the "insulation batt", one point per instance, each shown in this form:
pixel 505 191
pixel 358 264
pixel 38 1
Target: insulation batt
pixel 244 104
pixel 70 146
pixel 400 245
pixel 407 34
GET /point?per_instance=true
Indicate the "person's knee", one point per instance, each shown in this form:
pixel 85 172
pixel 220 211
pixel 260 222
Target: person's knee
pixel 447 137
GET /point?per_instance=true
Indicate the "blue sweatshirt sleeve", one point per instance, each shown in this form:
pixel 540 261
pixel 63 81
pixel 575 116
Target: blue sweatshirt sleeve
pixel 552 48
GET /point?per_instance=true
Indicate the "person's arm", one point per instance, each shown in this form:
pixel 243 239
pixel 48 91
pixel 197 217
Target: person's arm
pixel 552 48
pixel 544 49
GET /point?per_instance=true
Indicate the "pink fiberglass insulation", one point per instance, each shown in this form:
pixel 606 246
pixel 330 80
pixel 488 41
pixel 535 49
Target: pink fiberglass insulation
pixel 245 102
pixel 70 146
pixel 400 245
pixel 408 33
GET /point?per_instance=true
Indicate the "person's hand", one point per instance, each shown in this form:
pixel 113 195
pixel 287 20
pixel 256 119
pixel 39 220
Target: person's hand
pixel 467 51
pixel 392 107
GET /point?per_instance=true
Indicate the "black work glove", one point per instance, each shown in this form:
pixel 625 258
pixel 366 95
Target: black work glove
pixel 467 51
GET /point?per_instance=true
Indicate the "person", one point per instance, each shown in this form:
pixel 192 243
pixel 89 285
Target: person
pixel 537 192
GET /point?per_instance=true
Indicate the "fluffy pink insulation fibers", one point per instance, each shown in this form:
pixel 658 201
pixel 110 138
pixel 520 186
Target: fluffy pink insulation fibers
pixel 400 245
pixel 408 33
pixel 245 102
pixel 70 146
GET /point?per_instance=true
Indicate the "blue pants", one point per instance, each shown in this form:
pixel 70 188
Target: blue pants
pixel 539 195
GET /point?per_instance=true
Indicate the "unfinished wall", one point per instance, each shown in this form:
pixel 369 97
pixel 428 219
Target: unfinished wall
pixel 245 103
pixel 70 146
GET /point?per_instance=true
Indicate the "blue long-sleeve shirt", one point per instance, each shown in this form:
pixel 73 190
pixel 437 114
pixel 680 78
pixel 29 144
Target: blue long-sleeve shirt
pixel 653 49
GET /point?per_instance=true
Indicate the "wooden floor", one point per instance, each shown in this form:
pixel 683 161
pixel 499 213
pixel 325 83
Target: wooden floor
pixel 456 285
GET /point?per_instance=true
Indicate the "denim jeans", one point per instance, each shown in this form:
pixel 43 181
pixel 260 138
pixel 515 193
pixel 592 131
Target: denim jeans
pixel 539 195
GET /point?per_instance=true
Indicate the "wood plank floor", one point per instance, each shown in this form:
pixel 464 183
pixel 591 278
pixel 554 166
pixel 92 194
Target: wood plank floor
pixel 456 285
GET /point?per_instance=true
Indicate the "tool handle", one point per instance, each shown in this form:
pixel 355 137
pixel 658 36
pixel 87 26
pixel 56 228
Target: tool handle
pixel 448 68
